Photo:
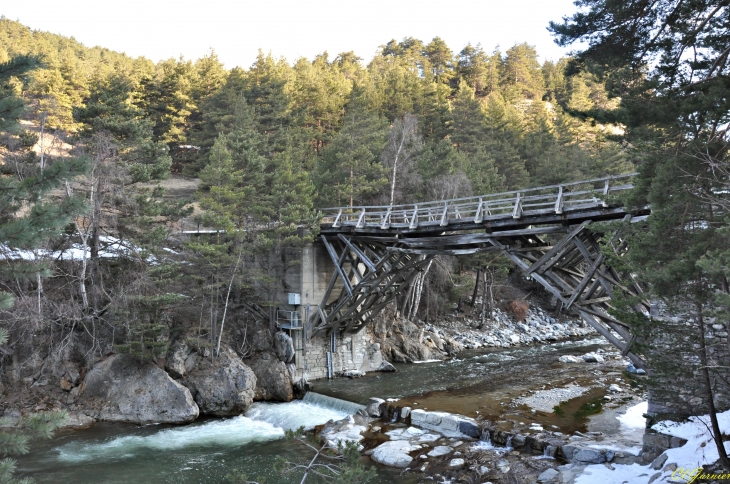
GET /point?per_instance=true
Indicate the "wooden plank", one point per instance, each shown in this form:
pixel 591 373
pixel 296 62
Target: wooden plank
pixel 517 212
pixel 554 251
pixel 455 252
pixel 479 216
pixel 360 223
pixel 445 216
pixel 414 218
pixel 592 310
pixel 366 260
pixel 336 223
pixel 547 285
pixel 603 331
pixel 562 258
pixel 337 263
pixel 477 238
pixel 386 219
pixel 586 279
pixel 594 301
pixel 559 201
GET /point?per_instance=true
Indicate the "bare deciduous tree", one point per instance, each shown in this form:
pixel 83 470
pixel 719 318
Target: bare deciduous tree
pixel 399 156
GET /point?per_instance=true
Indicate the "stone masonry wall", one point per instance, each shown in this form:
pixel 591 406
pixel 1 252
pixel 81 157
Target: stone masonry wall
pixel 354 352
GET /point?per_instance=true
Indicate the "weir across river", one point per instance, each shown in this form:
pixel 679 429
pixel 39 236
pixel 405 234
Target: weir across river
pixel 377 252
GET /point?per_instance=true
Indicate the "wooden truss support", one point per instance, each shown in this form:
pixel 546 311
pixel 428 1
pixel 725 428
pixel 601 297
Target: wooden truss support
pixel 370 271
pixel 575 272
pixel 370 274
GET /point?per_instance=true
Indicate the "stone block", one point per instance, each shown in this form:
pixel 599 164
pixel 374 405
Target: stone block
pixel 468 428
pixel 449 423
pixel 589 456
pixel 549 475
pixel 568 451
pixel 675 442
pixel 433 418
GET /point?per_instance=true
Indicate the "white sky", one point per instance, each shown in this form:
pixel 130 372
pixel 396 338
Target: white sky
pixel 160 29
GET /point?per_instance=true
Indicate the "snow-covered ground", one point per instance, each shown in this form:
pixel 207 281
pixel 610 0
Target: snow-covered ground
pixel 110 248
pixel 698 451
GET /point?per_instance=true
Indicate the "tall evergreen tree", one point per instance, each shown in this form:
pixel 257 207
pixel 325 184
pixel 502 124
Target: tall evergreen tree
pixel 28 215
pixel 676 111
pixel 350 172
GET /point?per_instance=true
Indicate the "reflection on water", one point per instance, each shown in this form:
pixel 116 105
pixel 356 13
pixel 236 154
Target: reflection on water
pixel 497 372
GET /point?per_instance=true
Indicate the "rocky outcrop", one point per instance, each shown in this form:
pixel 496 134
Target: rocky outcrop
pixel 394 453
pixel 273 380
pixel 503 330
pixel 374 360
pixel 121 389
pixel 402 341
pixel 223 385
pixel 283 347
pixel 449 424
pixel 176 358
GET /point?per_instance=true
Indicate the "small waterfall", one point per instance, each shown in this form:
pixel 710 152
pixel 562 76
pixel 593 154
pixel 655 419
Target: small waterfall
pixel 485 437
pixel 549 452
pixel 332 403
pixel 508 444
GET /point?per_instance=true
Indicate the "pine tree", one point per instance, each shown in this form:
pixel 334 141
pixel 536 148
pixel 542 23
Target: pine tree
pixel 27 214
pixel 350 172
pixel 27 217
pixel 521 76
pixel 676 115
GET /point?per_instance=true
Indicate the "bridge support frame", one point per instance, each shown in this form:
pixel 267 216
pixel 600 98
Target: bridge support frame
pixel 574 271
pixel 369 275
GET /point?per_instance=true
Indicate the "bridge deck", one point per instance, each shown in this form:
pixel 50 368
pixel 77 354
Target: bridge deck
pixel 558 204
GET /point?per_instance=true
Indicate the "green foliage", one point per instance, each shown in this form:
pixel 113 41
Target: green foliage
pixel 675 109
pixel 350 172
pixel 15 438
pixel 342 464
pixel 27 214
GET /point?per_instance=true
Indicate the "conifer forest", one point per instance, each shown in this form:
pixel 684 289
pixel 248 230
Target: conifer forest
pixel 152 215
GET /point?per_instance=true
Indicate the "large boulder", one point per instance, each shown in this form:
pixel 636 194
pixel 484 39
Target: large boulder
pixel 394 453
pixel 273 381
pixel 123 389
pixel 222 385
pixel 175 361
pixel 284 347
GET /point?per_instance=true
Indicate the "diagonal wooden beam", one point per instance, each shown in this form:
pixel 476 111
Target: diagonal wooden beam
pixel 556 249
pixel 337 262
pixel 586 279
pixel 365 259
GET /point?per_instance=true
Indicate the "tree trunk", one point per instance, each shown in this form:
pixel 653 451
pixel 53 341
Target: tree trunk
pixel 716 434
pixel 476 289
pixel 422 278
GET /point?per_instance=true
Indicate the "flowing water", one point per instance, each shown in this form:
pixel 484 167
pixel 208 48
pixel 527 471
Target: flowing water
pixel 209 449
pixel 202 452
pixel 481 382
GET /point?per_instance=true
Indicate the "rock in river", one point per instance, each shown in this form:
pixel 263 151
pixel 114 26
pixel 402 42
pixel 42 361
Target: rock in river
pixel 121 389
pixel 272 379
pixel 393 453
pixel 222 385
pixel 284 346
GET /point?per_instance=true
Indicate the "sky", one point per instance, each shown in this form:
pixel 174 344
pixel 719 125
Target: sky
pixel 236 29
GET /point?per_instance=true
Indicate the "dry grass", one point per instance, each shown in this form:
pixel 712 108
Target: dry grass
pixel 518 309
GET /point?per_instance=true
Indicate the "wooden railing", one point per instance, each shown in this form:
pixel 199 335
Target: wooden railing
pixel 554 199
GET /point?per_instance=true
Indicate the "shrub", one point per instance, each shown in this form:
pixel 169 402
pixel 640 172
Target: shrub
pixel 518 309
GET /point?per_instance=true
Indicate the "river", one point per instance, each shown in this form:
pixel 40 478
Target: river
pixel 478 382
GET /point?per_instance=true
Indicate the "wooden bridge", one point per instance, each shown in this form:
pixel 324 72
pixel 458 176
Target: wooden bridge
pixel 378 251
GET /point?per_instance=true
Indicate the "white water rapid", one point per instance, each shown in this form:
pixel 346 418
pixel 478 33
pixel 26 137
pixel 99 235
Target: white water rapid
pixel 262 422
